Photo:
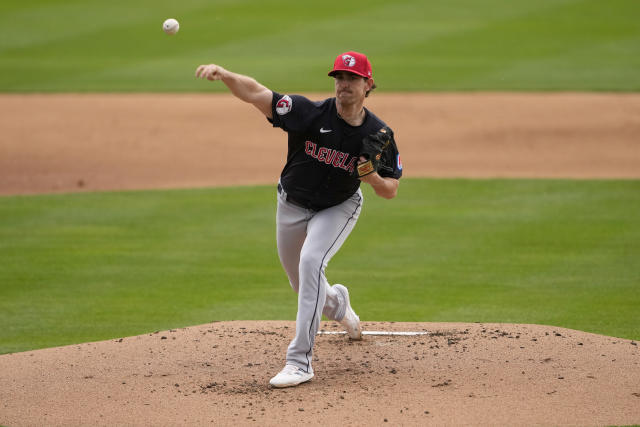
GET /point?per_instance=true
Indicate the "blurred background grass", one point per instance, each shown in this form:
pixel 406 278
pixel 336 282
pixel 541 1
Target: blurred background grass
pixel 415 45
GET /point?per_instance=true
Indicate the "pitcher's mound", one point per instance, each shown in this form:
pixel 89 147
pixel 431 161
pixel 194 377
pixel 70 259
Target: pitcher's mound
pixel 217 374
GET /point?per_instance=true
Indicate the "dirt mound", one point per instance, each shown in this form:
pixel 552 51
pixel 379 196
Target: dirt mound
pixel 217 374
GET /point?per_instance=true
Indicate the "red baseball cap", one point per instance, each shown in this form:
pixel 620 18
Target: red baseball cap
pixel 353 62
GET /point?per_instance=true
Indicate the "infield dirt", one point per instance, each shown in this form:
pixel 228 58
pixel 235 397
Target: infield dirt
pixel 217 374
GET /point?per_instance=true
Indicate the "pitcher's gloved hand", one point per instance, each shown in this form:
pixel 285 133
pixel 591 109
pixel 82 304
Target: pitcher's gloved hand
pixel 372 148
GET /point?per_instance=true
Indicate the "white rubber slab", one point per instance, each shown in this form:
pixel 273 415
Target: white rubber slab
pixel 397 333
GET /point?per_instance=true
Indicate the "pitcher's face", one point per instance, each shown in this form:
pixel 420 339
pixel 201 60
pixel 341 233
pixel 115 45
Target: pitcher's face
pixel 351 88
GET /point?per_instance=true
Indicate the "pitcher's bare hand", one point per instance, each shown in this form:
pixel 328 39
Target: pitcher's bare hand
pixel 210 72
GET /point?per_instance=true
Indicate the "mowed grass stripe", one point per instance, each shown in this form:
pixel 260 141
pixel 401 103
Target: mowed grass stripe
pixel 86 267
pixel 549 46
pixel 495 250
pixel 288 45
pixel 82 265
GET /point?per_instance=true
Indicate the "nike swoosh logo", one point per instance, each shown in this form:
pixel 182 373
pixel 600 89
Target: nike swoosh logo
pixel 323 130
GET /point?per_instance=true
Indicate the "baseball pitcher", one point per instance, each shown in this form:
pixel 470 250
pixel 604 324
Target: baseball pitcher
pixel 333 146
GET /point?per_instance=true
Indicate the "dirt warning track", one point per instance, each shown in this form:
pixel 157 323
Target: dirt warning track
pixel 61 143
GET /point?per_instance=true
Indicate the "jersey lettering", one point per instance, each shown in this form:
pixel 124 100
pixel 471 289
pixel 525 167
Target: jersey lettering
pixel 344 160
pixel 338 158
pixel 335 158
pixel 330 157
pixel 310 149
pixel 352 164
pixel 322 154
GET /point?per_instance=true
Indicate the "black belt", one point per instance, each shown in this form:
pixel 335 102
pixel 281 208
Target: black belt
pixel 297 202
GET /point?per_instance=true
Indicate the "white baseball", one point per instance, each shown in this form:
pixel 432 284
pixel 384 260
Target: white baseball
pixel 170 26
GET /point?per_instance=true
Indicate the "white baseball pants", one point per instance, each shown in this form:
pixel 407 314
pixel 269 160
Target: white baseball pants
pixel 306 242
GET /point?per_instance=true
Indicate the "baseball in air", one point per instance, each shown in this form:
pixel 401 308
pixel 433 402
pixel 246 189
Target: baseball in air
pixel 170 26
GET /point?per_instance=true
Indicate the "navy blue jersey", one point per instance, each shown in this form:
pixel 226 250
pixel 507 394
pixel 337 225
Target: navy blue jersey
pixel 324 150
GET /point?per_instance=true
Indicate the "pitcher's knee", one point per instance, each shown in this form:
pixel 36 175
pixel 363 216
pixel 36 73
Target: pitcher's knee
pixel 310 264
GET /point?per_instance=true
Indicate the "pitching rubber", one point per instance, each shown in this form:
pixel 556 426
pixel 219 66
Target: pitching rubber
pixel 402 333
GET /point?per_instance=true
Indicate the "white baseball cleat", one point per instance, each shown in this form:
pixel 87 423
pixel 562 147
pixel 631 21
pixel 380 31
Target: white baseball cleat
pixel 290 376
pixel 350 321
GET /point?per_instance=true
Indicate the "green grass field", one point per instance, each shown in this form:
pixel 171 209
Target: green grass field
pixel 415 45
pixel 85 267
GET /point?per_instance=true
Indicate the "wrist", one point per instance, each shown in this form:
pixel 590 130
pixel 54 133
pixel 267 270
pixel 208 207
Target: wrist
pixel 374 179
pixel 224 74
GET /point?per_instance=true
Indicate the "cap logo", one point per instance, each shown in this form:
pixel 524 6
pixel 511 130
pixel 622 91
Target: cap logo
pixel 348 60
pixel 283 106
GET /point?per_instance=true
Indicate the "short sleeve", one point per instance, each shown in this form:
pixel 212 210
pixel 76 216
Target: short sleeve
pixel 292 113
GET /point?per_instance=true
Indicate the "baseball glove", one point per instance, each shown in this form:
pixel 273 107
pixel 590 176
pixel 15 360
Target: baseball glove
pixel 372 148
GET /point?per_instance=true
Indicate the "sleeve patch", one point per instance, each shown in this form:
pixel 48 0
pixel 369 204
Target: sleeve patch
pixel 283 106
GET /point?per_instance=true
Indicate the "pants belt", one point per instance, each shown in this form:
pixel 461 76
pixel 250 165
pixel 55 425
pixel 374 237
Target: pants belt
pixel 293 200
